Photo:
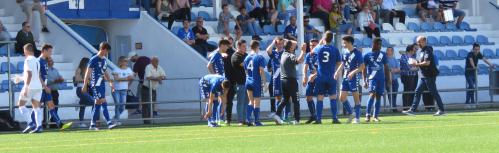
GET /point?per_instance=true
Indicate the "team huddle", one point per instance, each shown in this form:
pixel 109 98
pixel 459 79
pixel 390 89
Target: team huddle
pixel 324 66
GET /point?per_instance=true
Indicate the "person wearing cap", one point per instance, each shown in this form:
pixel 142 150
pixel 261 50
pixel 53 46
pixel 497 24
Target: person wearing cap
pixel 201 42
pixel 139 67
pixel 408 74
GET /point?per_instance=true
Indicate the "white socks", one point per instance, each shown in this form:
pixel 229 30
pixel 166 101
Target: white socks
pixel 38 116
pixel 25 113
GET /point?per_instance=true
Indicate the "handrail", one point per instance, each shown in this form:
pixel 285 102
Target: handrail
pixel 77 37
pixel 493 4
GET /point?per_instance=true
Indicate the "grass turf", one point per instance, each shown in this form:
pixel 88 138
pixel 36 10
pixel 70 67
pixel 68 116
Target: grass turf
pixel 456 132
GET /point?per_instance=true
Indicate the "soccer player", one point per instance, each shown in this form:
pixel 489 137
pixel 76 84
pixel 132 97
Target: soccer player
pixel 275 63
pixel 328 59
pixel 216 66
pixel 351 67
pixel 255 78
pixel 213 88
pixel 376 76
pixel 31 91
pixel 308 80
pixel 97 75
pixel 46 93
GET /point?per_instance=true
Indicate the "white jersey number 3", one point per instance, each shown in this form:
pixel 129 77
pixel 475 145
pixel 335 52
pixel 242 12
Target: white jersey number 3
pixel 326 57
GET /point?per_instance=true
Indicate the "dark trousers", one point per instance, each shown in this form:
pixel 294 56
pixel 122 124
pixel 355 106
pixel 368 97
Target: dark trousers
pixel 290 93
pixel 324 18
pixel 388 16
pixel 470 84
pixel 392 97
pixel 272 100
pixel 428 83
pixel 146 106
pixel 230 98
pixel 410 83
pixel 85 100
pixel 202 47
pixel 183 13
pixel 259 14
pixel 370 32
pixel 55 99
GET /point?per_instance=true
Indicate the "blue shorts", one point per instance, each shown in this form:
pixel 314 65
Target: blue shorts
pixel 325 87
pixel 204 89
pixel 277 86
pixel 310 89
pixel 46 97
pixel 256 87
pixel 377 86
pixel 98 92
pixel 350 85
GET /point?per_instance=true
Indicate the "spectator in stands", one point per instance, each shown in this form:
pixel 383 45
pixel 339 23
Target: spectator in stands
pixel 366 22
pixel 186 33
pixel 181 9
pixel 162 8
pixel 394 66
pixel 337 23
pixel 85 98
pixel 359 4
pixel 54 81
pixel 471 71
pixel 201 41
pixel 24 36
pixel 224 19
pixel 122 79
pixel 270 12
pixel 139 67
pixel 154 75
pixel 452 4
pixel 428 8
pixel 310 31
pixel 28 6
pixel 388 12
pixel 255 10
pixel 321 9
pixel 247 24
pixel 346 7
pixel 4 35
pixel 409 74
pixel 237 60
pixel 290 31
pixel 285 9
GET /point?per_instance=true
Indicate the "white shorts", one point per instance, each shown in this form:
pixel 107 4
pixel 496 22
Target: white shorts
pixel 33 94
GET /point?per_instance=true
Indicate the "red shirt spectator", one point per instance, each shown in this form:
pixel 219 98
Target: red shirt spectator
pixel 326 4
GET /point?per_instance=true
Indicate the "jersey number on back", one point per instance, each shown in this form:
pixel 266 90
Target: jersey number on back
pixel 250 65
pixel 325 59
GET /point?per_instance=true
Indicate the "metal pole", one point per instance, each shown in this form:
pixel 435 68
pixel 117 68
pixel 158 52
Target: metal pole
pixel 11 97
pixel 150 103
pixel 299 13
pixel 476 89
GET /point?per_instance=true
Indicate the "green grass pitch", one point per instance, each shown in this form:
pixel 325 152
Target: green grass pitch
pixel 456 132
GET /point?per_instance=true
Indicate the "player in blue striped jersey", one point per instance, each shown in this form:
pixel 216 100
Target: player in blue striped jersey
pixel 351 67
pixel 254 65
pixel 216 66
pixel 376 75
pixel 213 88
pixel 308 80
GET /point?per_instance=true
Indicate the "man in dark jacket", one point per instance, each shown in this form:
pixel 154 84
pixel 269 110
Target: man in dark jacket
pixel 24 36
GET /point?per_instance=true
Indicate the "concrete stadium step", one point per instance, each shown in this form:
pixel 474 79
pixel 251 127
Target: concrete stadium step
pixel 13 27
pixel 64 66
pixel 469 19
pixel 13 34
pixel 8 19
pixel 3 12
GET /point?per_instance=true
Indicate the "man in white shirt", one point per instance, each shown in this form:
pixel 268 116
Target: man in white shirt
pixel 388 12
pixel 32 90
pixel 154 76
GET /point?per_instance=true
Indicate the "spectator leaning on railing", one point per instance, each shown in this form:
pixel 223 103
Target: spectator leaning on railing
pixel 154 76
pixel 139 67
pixel 470 72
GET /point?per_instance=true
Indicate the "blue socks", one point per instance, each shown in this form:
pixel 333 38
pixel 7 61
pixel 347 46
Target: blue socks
pixel 256 112
pixel 105 112
pixel 319 107
pixel 215 114
pixel 377 106
pixel 334 108
pixel 311 108
pixel 369 105
pixel 249 111
pixel 357 111
pixel 347 107
pixel 53 113
pixel 96 113
pixel 287 110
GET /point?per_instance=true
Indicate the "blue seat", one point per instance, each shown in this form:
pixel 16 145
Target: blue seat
pixel 175 29
pixel 437 26
pixel 483 69
pixel 426 27
pixel 263 45
pixel 445 41
pixel 410 11
pixel 280 29
pixel 413 26
pixel 483 40
pixel 440 55
pixel 20 67
pixel 462 53
pixel 385 43
pixel 206 16
pixel 4 86
pixel 451 54
pixel 213 43
pixel 497 52
pixel 193 16
pixel 206 3
pixel 357 43
pixel 18 87
pixel 3 50
pixel 4 68
pixel 269 30
pixel 367 42
pixel 445 70
pixel 457 70
pixel 432 41
pixel 488 53
pixel 469 40
pixel 466 27
pixel 452 27
pixel 457 41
